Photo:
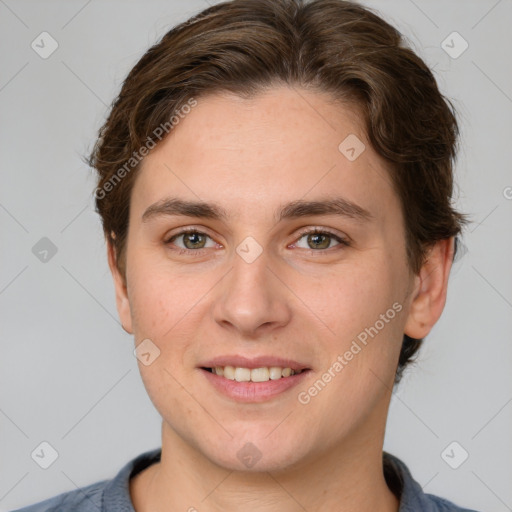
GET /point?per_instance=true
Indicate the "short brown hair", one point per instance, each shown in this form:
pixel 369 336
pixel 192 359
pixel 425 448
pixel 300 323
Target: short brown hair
pixel 333 46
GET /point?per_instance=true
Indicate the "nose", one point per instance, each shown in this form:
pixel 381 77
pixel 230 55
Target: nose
pixel 252 298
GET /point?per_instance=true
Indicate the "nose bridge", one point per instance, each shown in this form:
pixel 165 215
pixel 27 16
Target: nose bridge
pixel 251 295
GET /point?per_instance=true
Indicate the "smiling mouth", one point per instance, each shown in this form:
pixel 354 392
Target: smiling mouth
pixel 263 374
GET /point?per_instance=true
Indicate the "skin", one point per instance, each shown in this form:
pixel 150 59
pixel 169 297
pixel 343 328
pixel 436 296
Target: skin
pixel 295 300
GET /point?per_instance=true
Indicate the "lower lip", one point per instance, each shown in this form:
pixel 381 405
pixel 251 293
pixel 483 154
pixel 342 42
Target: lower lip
pixel 253 392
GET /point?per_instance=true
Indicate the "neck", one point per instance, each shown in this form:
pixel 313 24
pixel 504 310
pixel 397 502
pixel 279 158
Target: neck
pixel 348 478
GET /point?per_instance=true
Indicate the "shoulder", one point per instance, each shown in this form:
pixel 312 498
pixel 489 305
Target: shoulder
pixel 85 499
pixel 443 505
pixel 111 495
pixel 412 498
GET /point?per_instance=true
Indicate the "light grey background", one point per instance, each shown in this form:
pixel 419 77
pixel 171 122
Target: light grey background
pixel 68 375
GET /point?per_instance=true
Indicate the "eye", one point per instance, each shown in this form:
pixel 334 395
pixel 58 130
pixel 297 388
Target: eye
pixel 317 239
pixel 192 239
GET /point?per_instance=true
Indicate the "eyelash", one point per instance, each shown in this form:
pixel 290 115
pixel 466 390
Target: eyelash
pixel 199 252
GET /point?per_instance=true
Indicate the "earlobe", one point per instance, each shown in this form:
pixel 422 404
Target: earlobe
pixel 122 301
pixel 430 290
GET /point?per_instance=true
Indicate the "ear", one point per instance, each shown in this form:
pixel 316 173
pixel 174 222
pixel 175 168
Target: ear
pixel 430 289
pixel 122 302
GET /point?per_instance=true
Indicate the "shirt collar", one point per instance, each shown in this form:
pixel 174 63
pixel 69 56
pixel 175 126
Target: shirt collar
pixel 406 489
pixel 116 495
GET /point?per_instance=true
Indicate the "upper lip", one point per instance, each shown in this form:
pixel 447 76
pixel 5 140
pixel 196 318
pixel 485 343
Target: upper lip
pixel 254 362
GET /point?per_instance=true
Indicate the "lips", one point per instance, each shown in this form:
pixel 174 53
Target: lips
pixel 253 380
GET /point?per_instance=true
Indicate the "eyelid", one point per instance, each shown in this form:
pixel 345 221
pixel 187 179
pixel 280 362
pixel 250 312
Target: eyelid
pixel 188 229
pixel 321 230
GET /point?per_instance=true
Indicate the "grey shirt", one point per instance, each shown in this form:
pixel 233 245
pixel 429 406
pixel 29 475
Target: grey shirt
pixel 114 495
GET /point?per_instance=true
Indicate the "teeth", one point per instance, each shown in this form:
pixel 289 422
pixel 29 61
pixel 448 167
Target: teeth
pixel 286 372
pixel 229 372
pixel 242 374
pixel 260 374
pixel 255 375
pixel 275 372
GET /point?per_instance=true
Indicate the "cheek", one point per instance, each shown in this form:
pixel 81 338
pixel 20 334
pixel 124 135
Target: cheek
pixel 352 297
pixel 161 296
pixel 365 313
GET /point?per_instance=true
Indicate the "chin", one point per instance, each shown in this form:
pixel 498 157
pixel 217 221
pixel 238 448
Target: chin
pixel 251 459
pixel 261 455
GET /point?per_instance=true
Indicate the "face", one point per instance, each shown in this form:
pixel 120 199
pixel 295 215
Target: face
pixel 261 281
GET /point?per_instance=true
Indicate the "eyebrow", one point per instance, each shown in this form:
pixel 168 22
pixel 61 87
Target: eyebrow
pixel 293 210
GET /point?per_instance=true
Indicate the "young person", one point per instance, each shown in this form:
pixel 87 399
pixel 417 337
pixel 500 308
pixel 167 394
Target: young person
pixel 275 187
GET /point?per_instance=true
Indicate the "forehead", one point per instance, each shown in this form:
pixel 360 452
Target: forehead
pixel 251 155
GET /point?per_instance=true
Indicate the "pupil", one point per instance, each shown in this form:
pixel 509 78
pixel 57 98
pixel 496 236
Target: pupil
pixel 191 236
pixel 316 237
